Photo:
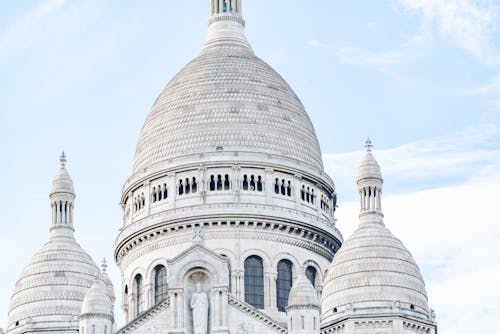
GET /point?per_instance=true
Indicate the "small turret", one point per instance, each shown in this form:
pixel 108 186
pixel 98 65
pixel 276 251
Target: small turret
pixel 96 315
pixel 62 198
pixel 370 187
pixel 303 311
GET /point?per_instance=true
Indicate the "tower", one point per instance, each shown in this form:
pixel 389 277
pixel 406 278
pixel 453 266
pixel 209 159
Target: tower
pixel 373 282
pixel 303 310
pixel 227 171
pixel 50 290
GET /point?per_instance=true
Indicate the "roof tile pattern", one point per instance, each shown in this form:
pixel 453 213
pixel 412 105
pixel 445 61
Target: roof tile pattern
pixel 227 97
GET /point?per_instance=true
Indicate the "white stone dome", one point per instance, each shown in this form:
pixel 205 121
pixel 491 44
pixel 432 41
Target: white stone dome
pixel 373 272
pixel 51 288
pixel 97 301
pixel 303 293
pixel 227 99
pixel 62 182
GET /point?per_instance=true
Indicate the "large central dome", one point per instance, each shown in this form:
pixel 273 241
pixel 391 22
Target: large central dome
pixel 227 99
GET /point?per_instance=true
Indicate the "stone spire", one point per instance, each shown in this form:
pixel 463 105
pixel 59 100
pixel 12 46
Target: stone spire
pixel 62 198
pixel 370 187
pixel 107 280
pixel 226 23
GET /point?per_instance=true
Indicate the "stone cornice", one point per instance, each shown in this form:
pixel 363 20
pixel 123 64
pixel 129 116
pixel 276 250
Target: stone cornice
pixel 301 235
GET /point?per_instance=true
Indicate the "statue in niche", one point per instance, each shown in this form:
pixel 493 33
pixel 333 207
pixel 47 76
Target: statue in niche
pixel 199 307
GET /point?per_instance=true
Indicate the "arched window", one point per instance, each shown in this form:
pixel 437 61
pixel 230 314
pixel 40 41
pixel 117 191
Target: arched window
pixel 212 183
pixel 254 282
pixel 311 275
pixel 181 188
pixel 283 284
pixel 245 182
pixel 252 183
pixel 259 183
pixel 188 187
pixel 160 283
pixel 195 185
pixel 277 187
pixel 226 182
pixel 289 189
pixel 219 182
pixel 139 295
pixel 165 191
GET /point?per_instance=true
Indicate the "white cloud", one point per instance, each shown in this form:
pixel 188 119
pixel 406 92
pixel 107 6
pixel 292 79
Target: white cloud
pixel 465 23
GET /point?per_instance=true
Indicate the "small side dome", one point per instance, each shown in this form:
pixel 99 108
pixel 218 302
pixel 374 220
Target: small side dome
pixel 303 294
pixel 97 301
pixel 369 168
pixel 62 182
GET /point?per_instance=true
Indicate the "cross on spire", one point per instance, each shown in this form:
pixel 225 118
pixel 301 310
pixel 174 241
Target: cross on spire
pixel 368 145
pixel 62 159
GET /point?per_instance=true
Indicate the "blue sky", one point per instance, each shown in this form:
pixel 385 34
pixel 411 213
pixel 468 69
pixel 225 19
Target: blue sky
pixel 421 77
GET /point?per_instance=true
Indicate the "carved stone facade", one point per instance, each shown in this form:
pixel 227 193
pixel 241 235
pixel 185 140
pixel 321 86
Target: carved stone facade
pixel 228 222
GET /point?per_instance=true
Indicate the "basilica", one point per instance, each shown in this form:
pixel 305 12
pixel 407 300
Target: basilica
pixel 228 222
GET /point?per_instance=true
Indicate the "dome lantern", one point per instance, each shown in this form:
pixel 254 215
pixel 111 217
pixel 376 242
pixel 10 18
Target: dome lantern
pixel 370 187
pixel 62 197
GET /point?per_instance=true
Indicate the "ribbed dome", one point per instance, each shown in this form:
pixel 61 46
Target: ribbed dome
pixel 227 99
pixel 51 288
pixel 97 301
pixel 303 293
pixel 62 182
pixel 373 273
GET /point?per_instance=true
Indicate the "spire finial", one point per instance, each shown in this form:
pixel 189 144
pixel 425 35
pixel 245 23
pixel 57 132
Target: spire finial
pixel 62 159
pixel 368 144
pixel 104 265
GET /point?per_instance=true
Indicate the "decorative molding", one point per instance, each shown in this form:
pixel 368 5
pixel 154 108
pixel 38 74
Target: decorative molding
pixel 256 314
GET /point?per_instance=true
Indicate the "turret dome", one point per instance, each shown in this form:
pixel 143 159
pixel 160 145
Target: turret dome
pixel 97 301
pixel 303 293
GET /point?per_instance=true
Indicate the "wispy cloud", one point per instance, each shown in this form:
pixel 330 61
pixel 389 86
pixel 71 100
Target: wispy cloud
pixel 454 157
pixel 468 24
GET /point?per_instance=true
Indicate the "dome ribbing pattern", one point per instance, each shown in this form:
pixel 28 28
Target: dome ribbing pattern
pixel 227 98
pixel 50 290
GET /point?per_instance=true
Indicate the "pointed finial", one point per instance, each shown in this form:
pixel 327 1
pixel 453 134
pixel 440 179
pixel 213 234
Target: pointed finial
pixel 62 159
pixel 368 145
pixel 104 265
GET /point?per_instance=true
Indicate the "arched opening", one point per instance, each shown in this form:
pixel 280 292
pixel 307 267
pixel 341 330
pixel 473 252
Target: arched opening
pixel 219 182
pixel 254 282
pixel 245 182
pixel 289 189
pixel 212 183
pixel 194 187
pixel 188 187
pixel 283 284
pixel 160 283
pixel 252 183
pixel 277 187
pixel 139 295
pixel 259 183
pixel 311 275
pixel 227 185
pixel 181 188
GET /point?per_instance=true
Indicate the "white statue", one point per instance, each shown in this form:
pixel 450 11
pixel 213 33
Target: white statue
pixel 199 306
